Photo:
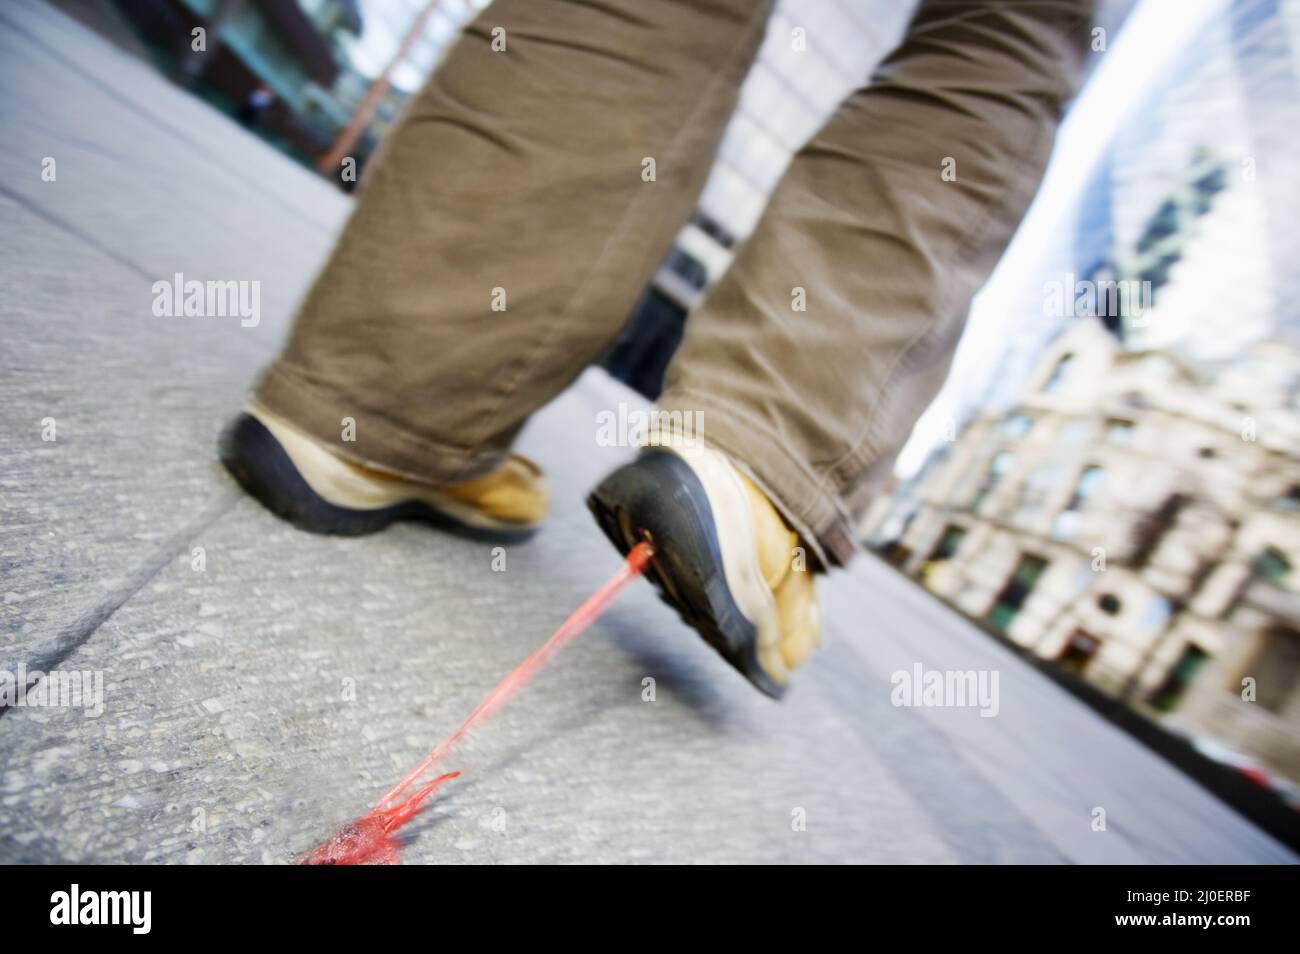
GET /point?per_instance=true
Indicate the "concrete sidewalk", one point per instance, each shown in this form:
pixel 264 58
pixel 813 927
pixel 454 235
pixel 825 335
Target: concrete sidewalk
pixel 263 686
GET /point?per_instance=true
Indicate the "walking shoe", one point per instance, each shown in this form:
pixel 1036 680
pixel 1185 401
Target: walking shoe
pixel 300 479
pixel 724 558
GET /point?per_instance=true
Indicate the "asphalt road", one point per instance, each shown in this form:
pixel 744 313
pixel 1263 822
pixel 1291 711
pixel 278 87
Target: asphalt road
pixel 262 686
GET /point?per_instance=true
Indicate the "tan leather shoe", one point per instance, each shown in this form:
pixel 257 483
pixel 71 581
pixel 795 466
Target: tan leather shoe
pixel 724 557
pixel 304 481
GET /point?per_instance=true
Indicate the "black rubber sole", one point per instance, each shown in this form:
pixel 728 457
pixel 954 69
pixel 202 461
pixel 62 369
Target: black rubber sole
pixel 658 496
pixel 262 467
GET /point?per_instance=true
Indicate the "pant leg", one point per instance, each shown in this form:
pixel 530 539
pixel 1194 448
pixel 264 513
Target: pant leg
pixel 515 177
pixel 815 404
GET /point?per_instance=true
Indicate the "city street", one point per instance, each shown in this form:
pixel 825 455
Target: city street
pixel 263 686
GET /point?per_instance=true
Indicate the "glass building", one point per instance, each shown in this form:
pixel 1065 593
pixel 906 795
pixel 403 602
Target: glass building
pixel 1196 193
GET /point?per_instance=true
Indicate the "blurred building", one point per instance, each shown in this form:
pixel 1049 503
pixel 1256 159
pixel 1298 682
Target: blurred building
pixel 273 64
pixel 295 70
pixel 1228 103
pixel 1138 521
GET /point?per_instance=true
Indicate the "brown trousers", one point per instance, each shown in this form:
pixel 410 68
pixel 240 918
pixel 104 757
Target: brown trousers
pixel 518 173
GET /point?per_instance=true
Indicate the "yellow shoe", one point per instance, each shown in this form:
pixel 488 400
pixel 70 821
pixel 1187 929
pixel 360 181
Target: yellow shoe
pixel 302 480
pixel 724 557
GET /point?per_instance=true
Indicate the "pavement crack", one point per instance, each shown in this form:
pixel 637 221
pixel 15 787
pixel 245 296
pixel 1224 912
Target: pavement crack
pixel 72 229
pixel 52 653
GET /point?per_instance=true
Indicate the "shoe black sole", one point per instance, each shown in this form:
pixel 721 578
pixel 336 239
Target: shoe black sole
pixel 658 496
pixel 262 467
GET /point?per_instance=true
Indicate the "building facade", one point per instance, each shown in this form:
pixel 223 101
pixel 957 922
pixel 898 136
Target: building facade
pixel 1138 522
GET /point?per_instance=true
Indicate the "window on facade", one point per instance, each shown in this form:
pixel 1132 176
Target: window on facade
pixel 998 468
pixel 1170 692
pixel 1207 186
pixel 1151 529
pixel 1079 650
pixel 1155 616
pixel 1272 565
pixel 1067 521
pixel 1016 590
pixel 1162 225
pixel 1066 525
pixel 1018 425
pixel 1157 275
pixel 1119 431
pixel 1089 482
pixel 1036 490
pixel 949 543
pixel 1083 580
pixel 1054 381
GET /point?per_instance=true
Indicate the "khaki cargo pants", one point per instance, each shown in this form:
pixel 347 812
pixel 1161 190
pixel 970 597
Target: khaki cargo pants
pixel 519 173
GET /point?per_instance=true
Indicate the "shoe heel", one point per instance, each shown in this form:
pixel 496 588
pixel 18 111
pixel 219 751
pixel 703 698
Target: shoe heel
pixel 262 467
pixel 658 497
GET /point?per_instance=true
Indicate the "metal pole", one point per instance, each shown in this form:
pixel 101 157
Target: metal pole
pixel 366 111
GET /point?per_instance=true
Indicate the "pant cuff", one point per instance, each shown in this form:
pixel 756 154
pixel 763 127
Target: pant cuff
pixel 812 509
pixel 378 442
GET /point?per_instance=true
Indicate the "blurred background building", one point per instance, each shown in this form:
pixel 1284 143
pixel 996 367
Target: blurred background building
pixel 295 71
pixel 1123 497
pixel 1138 521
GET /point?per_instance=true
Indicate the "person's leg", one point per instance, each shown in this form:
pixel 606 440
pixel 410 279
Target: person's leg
pixel 508 225
pixel 889 220
pixel 806 366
